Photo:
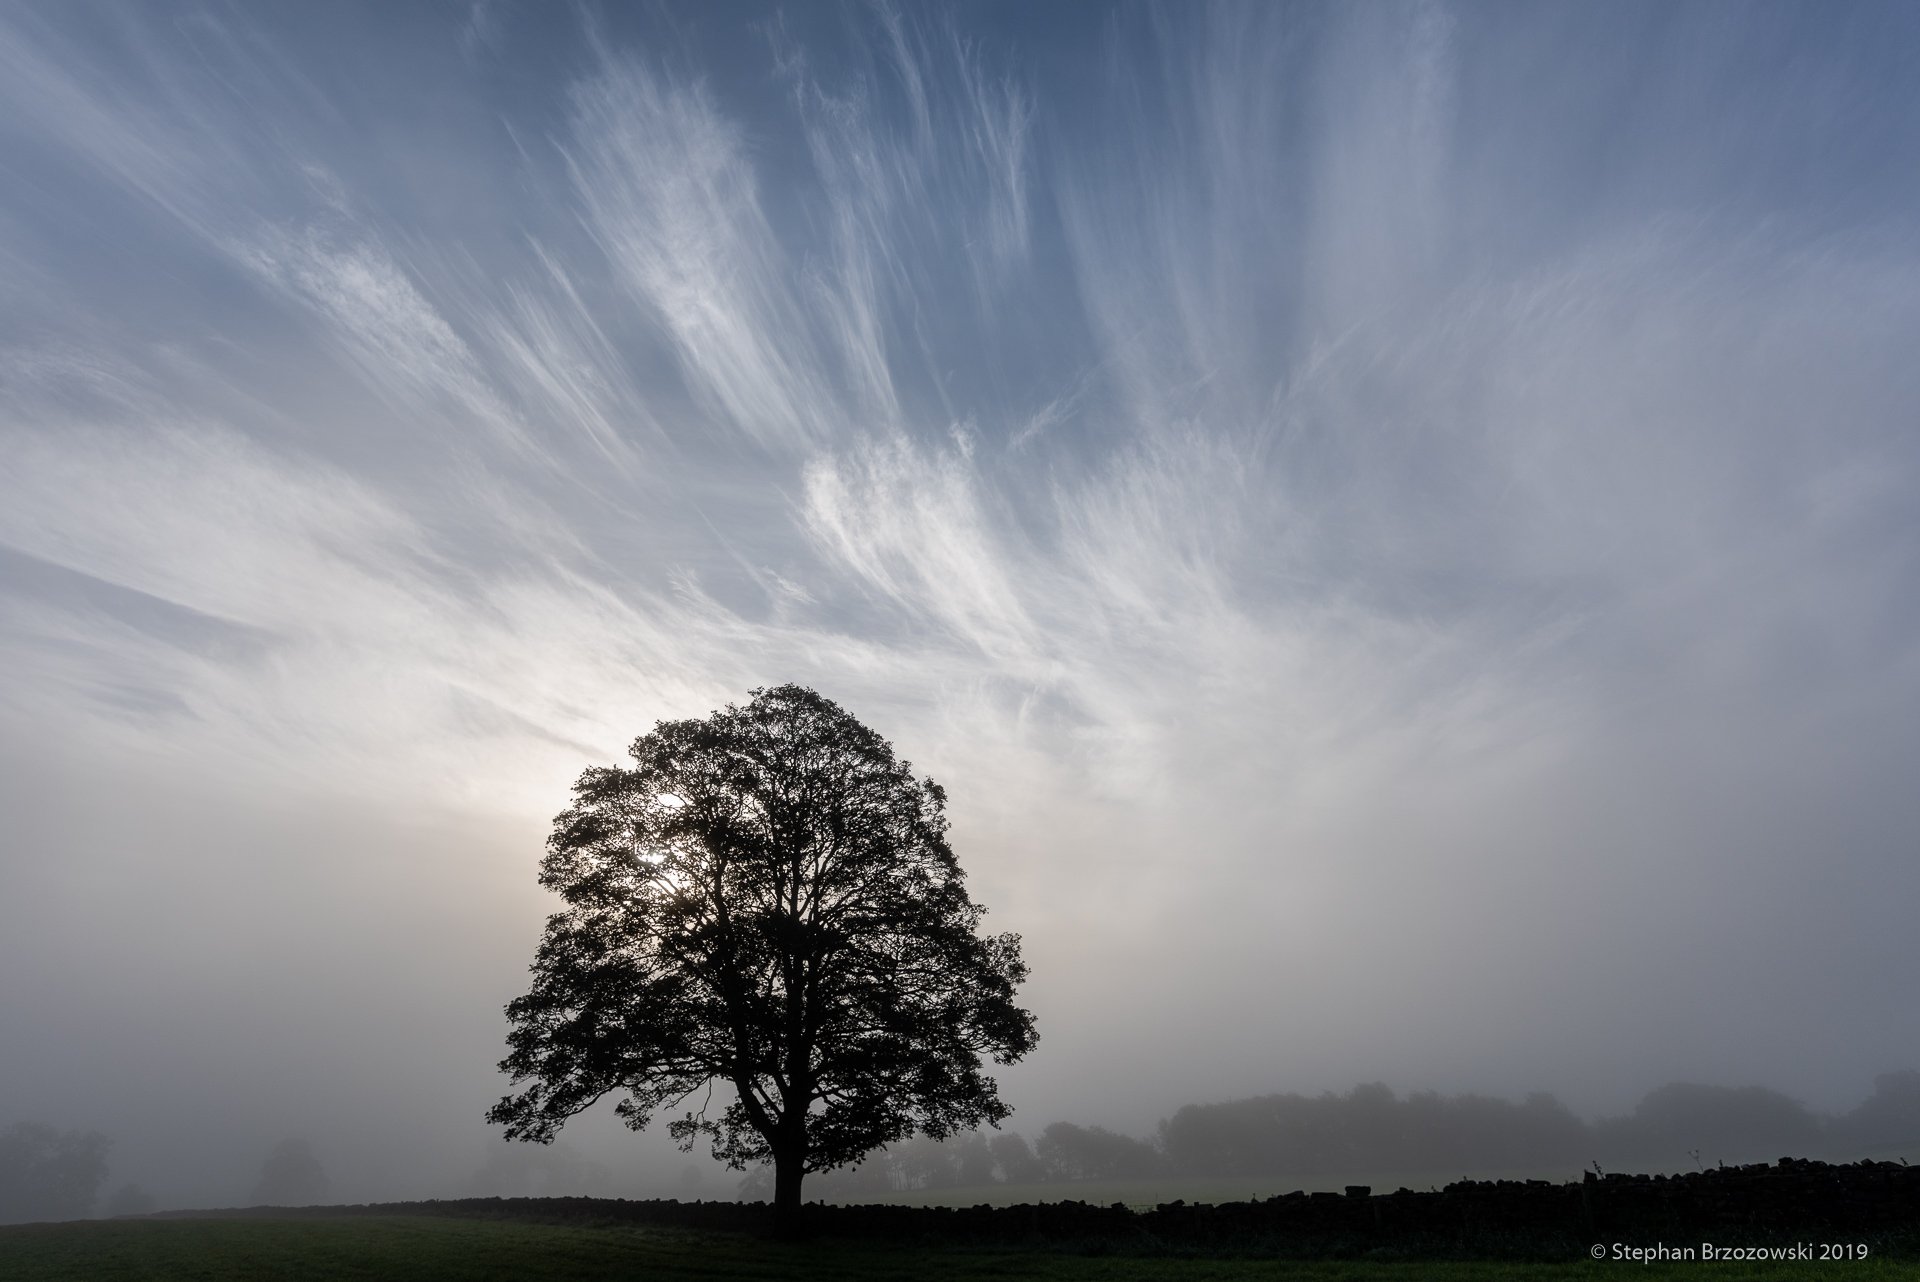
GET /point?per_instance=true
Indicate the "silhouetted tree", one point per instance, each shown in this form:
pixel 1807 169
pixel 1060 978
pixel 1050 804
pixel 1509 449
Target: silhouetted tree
pixel 1071 1152
pixel 765 901
pixel 1889 1118
pixel 973 1163
pixel 290 1176
pixel 922 1163
pixel 1369 1130
pixel 1017 1163
pixel 1721 1123
pixel 48 1174
pixel 556 1170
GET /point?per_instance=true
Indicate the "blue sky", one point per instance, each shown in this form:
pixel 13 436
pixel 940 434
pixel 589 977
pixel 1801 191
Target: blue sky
pixel 1394 524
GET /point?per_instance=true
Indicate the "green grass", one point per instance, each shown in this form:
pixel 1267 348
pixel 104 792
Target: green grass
pixel 363 1249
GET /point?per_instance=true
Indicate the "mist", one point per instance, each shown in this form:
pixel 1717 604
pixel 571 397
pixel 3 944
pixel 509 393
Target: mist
pixel 1393 525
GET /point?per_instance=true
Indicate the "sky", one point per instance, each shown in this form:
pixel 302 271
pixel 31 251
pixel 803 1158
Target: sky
pixel 1394 525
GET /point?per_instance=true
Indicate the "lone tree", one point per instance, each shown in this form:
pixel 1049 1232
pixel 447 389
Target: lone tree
pixel 291 1176
pixel 766 902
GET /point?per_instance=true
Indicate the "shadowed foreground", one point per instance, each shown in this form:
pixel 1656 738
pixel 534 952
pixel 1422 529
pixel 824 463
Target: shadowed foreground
pixel 431 1249
pixel 1498 1229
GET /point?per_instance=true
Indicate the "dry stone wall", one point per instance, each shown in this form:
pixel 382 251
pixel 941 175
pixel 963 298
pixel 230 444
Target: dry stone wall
pixel 1785 1200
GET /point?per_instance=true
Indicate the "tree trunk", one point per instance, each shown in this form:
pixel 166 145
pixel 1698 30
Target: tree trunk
pixel 789 1165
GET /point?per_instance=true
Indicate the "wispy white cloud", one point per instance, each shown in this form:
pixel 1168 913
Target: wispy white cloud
pixel 914 526
pixel 997 124
pixel 562 360
pixel 397 340
pixel 672 199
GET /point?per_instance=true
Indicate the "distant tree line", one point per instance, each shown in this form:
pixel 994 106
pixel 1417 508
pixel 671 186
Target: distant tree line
pixel 1676 1127
pixel 1370 1130
pixel 52 1174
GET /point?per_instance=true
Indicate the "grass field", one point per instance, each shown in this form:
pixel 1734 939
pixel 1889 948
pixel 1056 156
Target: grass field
pixel 367 1249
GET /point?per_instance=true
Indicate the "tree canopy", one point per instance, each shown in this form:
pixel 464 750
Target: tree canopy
pixel 290 1175
pixel 765 902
